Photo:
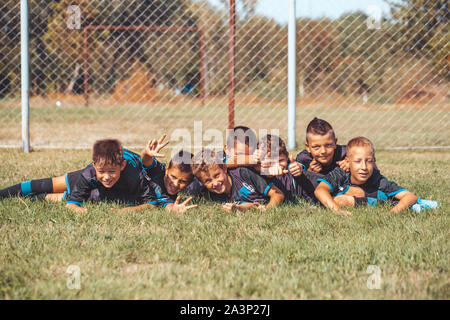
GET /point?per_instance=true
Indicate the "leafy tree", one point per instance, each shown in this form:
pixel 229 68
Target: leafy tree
pixel 423 30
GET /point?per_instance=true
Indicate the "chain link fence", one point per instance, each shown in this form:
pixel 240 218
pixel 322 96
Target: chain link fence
pixel 136 69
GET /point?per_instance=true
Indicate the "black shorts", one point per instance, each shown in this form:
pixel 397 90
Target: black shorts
pixel 71 179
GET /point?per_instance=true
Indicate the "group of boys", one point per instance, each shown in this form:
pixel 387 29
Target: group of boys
pixel 246 174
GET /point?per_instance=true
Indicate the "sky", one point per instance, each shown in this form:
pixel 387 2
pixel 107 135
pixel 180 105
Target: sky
pixel 279 9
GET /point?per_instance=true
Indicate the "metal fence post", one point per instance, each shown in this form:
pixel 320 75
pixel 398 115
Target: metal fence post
pixel 291 76
pixel 25 74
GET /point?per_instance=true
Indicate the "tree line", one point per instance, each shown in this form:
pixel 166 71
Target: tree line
pixel 344 54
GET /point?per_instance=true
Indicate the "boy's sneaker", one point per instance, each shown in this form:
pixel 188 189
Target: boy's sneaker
pixel 424 205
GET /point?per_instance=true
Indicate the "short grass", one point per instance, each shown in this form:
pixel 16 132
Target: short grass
pixel 74 125
pixel 292 252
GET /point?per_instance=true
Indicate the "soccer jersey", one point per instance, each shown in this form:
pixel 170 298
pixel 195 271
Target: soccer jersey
pixel 305 158
pixel 376 188
pixel 195 188
pixel 131 188
pixel 246 186
pixel 160 196
pixel 294 188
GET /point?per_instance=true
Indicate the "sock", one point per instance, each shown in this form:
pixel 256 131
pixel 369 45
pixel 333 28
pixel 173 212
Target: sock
pixel 28 187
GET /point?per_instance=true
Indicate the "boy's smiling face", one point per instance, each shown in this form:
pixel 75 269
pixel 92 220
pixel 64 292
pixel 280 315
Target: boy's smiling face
pixel 109 174
pixel 176 180
pixel 215 179
pixel 362 163
pixel 321 147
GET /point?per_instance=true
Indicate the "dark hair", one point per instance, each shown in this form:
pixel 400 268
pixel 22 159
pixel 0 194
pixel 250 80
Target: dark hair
pixel 107 152
pixel 272 143
pixel 182 161
pixel 205 159
pixel 320 127
pixel 243 135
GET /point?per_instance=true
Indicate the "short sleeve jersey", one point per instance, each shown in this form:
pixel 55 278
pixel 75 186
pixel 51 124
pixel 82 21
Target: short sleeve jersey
pixel 377 187
pixel 195 188
pixel 131 188
pixel 294 188
pixel 160 196
pixel 246 186
pixel 305 158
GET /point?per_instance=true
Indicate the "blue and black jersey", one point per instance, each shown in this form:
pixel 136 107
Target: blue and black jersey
pixel 131 188
pixel 305 158
pixel 376 189
pixel 160 196
pixel 294 188
pixel 246 186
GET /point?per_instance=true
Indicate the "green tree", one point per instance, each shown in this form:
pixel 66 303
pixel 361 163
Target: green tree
pixel 423 30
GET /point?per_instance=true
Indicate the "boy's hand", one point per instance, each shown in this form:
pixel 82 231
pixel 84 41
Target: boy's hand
pixel 274 170
pixel 260 207
pixel 343 212
pixel 76 208
pixel 255 158
pixel 228 207
pixel 315 166
pixel 344 165
pixel 182 207
pixel 154 146
pixel 295 168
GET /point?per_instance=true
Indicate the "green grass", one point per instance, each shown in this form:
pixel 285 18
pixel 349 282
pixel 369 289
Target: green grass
pixel 74 125
pixel 292 252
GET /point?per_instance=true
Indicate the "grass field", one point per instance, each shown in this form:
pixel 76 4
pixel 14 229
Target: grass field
pixel 292 252
pixel 74 125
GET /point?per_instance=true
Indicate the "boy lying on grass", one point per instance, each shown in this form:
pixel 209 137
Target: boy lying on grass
pixel 322 153
pixel 273 151
pixel 364 184
pixel 239 189
pixel 167 182
pixel 240 150
pixel 115 174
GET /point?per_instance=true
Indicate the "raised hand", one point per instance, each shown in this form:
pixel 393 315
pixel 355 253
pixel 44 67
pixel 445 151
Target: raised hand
pixel 255 158
pixel 178 207
pixel 295 168
pixel 154 147
pixel 344 165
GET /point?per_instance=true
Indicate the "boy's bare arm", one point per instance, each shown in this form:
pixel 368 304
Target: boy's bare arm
pixel 135 208
pixel 407 199
pixel 240 207
pixel 76 208
pixel 276 197
pixel 323 194
pixel 152 150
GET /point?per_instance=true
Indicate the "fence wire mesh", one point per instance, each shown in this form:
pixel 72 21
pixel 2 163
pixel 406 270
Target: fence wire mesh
pixel 135 69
